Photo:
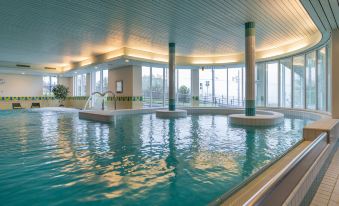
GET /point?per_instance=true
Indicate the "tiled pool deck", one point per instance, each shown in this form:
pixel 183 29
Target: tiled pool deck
pixel 328 191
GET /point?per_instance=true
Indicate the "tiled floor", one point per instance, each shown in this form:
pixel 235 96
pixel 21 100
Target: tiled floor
pixel 328 191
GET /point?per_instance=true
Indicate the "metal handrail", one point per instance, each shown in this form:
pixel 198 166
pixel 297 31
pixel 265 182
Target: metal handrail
pixel 255 199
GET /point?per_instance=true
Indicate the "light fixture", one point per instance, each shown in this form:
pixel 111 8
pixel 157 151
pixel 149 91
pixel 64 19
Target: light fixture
pixel 75 72
pixel 126 60
pixel 23 73
pixel 95 67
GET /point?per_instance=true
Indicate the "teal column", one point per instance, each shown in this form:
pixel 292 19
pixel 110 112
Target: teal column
pixel 171 77
pixel 250 69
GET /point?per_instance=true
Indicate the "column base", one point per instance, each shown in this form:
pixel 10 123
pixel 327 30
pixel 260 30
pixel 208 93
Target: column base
pixel 166 114
pixel 270 119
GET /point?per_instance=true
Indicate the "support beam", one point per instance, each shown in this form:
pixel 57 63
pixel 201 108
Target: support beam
pixel 171 77
pixel 250 68
pixel 335 73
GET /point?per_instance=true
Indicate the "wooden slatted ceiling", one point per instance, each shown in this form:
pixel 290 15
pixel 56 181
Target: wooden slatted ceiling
pixel 59 32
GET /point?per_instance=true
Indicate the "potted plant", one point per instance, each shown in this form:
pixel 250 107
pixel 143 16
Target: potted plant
pixel 60 93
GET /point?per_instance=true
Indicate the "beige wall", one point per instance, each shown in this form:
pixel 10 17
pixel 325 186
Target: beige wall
pixel 68 82
pixel 26 85
pixel 131 77
pixel 20 85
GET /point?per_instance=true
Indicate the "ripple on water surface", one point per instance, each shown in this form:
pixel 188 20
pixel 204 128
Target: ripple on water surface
pixel 50 157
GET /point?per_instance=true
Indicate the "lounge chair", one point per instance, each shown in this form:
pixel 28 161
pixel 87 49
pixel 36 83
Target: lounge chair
pixel 35 105
pixel 16 106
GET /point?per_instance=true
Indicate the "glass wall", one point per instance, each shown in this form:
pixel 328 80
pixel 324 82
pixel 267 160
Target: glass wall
pixel 183 86
pixel 104 80
pixel 155 94
pixel 79 85
pixel 321 79
pixel 299 81
pixel 260 79
pixel 272 84
pixel 286 82
pixel 99 81
pixel 205 85
pixel 234 81
pixel 48 83
pixel 157 87
pixel 220 84
pixel 146 86
pixel 311 89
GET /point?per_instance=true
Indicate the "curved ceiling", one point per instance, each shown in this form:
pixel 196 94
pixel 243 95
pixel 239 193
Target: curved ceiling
pixel 57 33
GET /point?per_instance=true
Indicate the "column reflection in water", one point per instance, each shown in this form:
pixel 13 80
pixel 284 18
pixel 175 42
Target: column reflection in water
pixel 250 161
pixel 171 160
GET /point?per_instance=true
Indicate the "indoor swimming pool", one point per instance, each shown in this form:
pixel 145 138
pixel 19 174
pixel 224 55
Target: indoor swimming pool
pixel 51 157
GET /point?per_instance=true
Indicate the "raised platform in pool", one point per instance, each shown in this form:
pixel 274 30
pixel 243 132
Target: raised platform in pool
pixel 164 114
pixel 266 118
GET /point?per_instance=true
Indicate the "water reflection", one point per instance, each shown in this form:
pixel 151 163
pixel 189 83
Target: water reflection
pixel 250 162
pixel 138 159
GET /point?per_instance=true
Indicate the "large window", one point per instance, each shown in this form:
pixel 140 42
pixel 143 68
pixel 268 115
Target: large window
pixel 299 81
pixel 260 75
pixel 157 86
pixel 286 82
pixel 234 81
pixel 154 92
pixel 100 81
pixel 146 85
pixel 205 85
pixel 79 85
pixel 104 80
pixel 220 83
pixel 272 84
pixel 48 83
pixel 311 81
pixel 184 86
pixel 321 79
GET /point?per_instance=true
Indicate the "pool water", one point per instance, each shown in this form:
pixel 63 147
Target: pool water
pixel 50 157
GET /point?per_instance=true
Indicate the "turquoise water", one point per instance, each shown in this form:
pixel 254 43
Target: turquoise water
pixel 52 158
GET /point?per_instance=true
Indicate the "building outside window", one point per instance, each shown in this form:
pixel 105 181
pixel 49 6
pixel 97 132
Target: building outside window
pixel 48 83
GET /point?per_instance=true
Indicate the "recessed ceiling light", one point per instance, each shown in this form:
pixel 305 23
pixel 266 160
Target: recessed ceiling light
pixel 95 67
pixel 126 60
pixel 23 73
pixel 75 72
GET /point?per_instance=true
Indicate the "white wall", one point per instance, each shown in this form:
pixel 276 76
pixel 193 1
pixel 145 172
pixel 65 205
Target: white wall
pixel 20 85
